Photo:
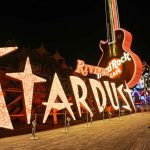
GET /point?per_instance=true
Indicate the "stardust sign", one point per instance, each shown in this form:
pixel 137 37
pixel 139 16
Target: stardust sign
pixel 106 89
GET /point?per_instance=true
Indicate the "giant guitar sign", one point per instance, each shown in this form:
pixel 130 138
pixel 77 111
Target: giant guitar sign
pixel 117 45
pixel 117 63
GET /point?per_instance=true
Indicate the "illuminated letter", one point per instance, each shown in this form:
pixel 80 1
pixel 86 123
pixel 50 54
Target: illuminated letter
pixel 7 50
pixel 57 90
pixel 127 56
pixel 75 81
pixel 118 62
pixel 116 96
pixel 123 97
pixel 5 121
pixel 28 80
pixel 80 65
pixel 127 90
pixel 95 85
pixel 114 64
pixel 109 68
pixel 123 59
pixel 110 94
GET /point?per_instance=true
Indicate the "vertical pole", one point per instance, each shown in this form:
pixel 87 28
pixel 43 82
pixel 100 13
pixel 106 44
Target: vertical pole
pixel 103 115
pixel 110 115
pixel 91 120
pixel 35 124
pixel 68 122
pixel 87 118
pixel 65 122
pixel 145 94
pixel 130 113
pixel 34 137
pixel 145 100
pixel 119 113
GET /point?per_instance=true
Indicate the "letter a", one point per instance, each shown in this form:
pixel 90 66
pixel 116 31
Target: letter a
pixel 57 90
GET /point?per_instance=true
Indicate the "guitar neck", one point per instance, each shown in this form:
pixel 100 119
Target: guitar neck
pixel 109 22
pixel 115 14
pixel 112 19
pixel 112 23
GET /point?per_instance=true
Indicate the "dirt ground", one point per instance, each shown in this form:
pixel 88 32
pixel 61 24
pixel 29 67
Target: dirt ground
pixel 130 132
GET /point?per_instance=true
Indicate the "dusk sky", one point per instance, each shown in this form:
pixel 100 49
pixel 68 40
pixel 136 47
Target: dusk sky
pixel 74 27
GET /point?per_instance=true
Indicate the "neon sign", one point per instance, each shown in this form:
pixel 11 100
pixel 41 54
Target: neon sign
pixel 106 89
pixel 113 70
pixel 57 90
pixel 115 67
pixel 85 69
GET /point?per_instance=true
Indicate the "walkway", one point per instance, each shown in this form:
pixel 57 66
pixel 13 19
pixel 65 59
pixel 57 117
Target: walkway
pixel 128 133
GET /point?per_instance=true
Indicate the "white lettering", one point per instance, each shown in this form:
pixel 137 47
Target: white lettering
pixel 114 64
pixel 127 106
pixel 127 90
pixel 96 85
pixel 126 56
pixel 116 107
pixel 75 82
pixel 57 90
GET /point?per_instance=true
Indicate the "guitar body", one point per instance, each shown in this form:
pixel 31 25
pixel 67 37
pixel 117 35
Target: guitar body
pixel 131 70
